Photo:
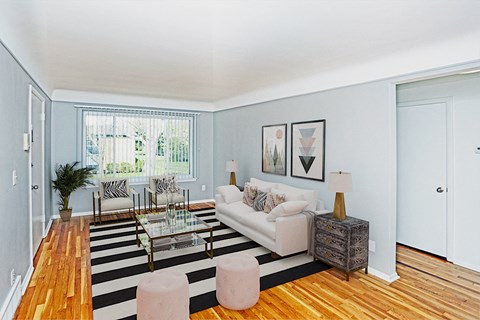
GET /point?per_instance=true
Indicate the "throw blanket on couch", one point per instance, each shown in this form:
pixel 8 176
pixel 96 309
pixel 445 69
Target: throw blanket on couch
pixel 311 231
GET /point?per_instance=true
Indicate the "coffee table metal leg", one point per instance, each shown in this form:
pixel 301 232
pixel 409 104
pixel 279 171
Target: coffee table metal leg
pixel 136 233
pixel 150 257
pixel 210 254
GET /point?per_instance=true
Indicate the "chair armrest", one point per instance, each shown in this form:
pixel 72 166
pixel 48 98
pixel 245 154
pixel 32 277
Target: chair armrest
pixel 96 195
pixel 134 192
pixel 149 190
pixel 183 190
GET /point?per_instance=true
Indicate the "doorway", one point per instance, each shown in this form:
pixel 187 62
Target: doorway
pixel 422 175
pixel 37 169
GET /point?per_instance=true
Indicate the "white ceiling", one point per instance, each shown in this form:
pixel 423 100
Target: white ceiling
pixel 220 54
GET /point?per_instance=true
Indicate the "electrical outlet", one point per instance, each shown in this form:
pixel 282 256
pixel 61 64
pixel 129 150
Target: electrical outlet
pixel 204 187
pixel 371 245
pixel 12 277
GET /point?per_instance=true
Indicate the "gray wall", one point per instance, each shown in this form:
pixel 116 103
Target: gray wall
pixel 358 140
pixel 65 149
pixel 465 188
pixel 15 228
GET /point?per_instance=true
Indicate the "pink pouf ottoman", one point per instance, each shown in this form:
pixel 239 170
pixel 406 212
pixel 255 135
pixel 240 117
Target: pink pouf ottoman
pixel 163 294
pixel 238 281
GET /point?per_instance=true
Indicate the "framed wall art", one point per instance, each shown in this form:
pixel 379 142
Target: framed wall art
pixel 274 149
pixel 308 150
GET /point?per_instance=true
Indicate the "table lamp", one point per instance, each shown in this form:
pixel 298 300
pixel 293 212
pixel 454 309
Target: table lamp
pixel 232 167
pixel 340 182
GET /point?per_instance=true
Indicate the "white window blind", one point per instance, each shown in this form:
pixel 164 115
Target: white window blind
pixel 138 143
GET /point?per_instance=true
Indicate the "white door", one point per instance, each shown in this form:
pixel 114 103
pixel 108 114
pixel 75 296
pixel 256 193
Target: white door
pixel 422 177
pixel 37 185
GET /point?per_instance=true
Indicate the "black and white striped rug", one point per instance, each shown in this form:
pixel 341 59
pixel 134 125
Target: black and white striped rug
pixel 118 264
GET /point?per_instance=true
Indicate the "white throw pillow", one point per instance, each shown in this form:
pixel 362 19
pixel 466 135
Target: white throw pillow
pixel 289 195
pixel 287 208
pixel 230 193
pixel 308 195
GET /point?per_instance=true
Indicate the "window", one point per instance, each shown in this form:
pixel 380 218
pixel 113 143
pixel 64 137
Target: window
pixel 138 143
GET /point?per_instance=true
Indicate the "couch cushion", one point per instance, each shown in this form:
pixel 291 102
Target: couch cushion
pixel 292 194
pixel 264 186
pixel 272 200
pixel 258 222
pixel 230 193
pixel 236 210
pixel 161 199
pixel 117 204
pixel 289 196
pixel 287 208
pixel 249 194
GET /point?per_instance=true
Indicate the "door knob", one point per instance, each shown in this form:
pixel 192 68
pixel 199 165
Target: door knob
pixel 35 187
pixel 440 190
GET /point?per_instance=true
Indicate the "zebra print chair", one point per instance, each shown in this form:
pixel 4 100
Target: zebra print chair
pixel 114 195
pixel 164 189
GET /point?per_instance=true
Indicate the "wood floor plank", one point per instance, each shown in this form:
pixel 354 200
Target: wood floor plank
pixel 428 288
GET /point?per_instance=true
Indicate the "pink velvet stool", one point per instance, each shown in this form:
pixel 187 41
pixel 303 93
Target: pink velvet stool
pixel 163 294
pixel 238 281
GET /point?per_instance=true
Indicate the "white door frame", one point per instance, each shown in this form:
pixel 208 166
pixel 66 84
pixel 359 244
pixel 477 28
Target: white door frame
pixel 31 93
pixel 448 101
pixel 392 154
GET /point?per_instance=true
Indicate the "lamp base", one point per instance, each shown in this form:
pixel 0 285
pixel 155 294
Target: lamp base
pixel 233 181
pixel 339 207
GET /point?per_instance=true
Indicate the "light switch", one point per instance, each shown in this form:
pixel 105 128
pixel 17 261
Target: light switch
pixel 26 142
pixel 14 177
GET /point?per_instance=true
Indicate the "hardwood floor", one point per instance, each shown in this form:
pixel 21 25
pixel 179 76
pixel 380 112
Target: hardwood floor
pixel 428 288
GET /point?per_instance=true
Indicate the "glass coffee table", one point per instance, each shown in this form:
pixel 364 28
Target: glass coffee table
pixel 163 233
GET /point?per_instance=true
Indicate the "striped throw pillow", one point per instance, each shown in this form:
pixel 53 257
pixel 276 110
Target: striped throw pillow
pixel 272 200
pixel 249 194
pixel 259 201
pixel 166 184
pixel 115 189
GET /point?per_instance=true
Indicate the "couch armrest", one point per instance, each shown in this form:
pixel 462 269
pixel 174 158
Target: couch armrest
pixel 219 199
pixel 291 234
pixel 229 193
pixel 320 205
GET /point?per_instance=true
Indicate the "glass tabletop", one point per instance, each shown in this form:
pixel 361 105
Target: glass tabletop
pixel 158 225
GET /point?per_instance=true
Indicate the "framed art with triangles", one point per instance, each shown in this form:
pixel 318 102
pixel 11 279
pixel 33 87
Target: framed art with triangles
pixel 308 150
pixel 274 149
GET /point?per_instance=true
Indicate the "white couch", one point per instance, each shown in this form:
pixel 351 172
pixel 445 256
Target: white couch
pixel 283 231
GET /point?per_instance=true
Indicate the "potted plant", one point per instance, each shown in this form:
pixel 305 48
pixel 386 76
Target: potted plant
pixel 69 179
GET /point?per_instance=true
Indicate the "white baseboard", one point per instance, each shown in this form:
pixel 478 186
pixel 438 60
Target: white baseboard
pixel 389 278
pixel 466 265
pixel 47 228
pixel 26 279
pixel 89 213
pixel 12 300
